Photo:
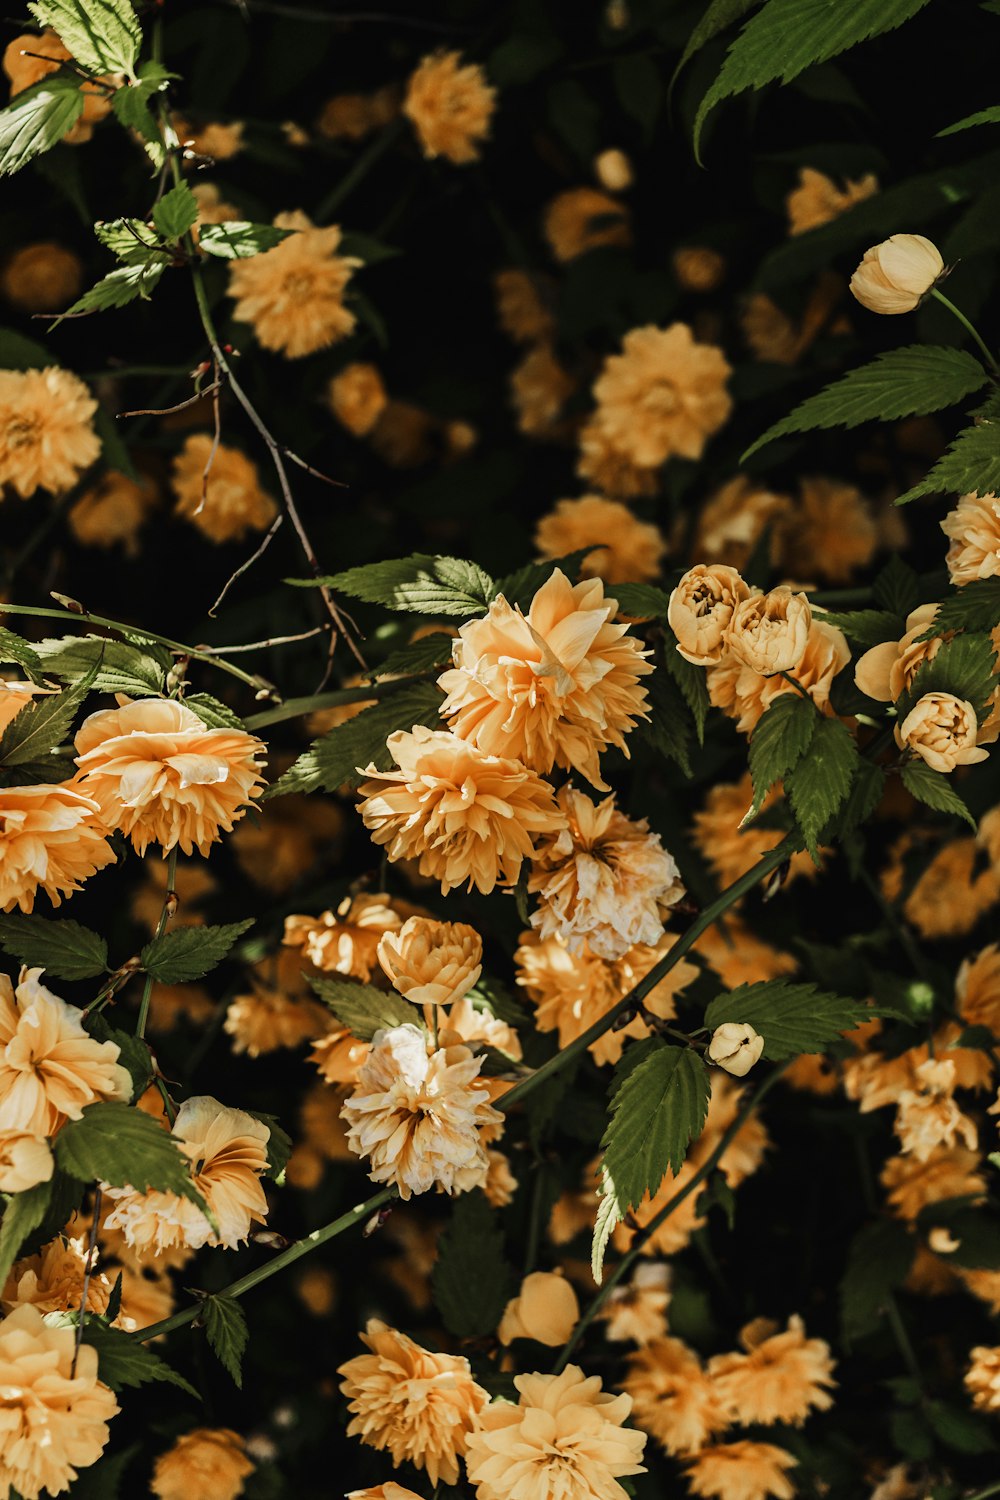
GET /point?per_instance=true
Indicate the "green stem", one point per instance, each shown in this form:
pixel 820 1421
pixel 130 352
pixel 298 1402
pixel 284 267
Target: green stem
pixel 169 897
pixel 358 172
pixel 993 1489
pixel 939 296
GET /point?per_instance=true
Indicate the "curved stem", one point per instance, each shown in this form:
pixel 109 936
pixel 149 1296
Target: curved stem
pixel 969 327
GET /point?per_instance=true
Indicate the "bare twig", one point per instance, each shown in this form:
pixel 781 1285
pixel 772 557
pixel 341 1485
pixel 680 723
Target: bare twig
pixel 168 411
pixel 216 438
pixel 316 473
pixel 275 640
pixel 269 536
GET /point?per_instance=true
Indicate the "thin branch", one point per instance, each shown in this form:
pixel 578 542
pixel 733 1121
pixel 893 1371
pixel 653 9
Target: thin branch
pixel 168 411
pixel 339 484
pixel 274 640
pixel 245 566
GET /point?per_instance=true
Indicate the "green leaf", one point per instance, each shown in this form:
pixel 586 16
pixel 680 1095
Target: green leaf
pixel 131 241
pixel 471 1280
pixel 103 1480
pixel 420 584
pixel 668 728
pixel 639 600
pixel 212 713
pixel 175 213
pixel 124 1363
pixel 521 587
pixel 960 1429
pixel 132 111
pixel 972 462
pixel 934 790
pixel 120 668
pixel 279 1144
pixel 819 783
pixel 23 1214
pixel 62 948
pixel 117 289
pixel 900 383
pixel 783 735
pixel 190 952
pixel 690 679
pixel 976 606
pixel 896 588
pixel 239 240
pixel 120 1145
pixel 990 116
pixel 134 1053
pixel 419 656
pixel 227 1333
pixel 103 35
pixel 20 353
pixel 878 1261
pixel 13 648
pixel 718 16
pixel 335 758
pixel 655 1113
pixel 792 1018
pixel 37 120
pixel 788 36
pixel 965 666
pixel 40 728
pixel 362 1008
pixel 869 627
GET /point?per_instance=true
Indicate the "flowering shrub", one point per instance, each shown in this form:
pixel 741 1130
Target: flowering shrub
pixel 480 664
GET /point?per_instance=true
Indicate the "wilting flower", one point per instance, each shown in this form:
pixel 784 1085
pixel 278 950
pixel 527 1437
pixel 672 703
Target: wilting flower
pixel 701 609
pixel 582 219
pixel 293 294
pixel 47 435
pixel 50 1069
pixel 943 731
pixel 780 1376
pixel 744 694
pixel 735 1047
pixel 636 1313
pixel 417 1112
pixel 522 308
pixel 948 1172
pixel 113 511
pixel 450 106
pixel 817 199
pixel 42 277
pixel 228 1153
pixel 357 397
pixel 51 838
pixel 973 529
pixel 674 1399
pixel 566 1436
pixel 161 776
pixel 886 670
pixel 462 814
pixel 227 503
pixel 55 1412
pixel 829 533
pixel 545 1309
pixel 418 1405
pixel 895 275
pixel 25 1160
pixel 698 268
pixel 768 632
pixel 208 1463
pixel 15 695
pixel 555 686
pixel 927 1115
pixel 627 550
pixel 982 1378
pixel 742 1471
pixel 431 963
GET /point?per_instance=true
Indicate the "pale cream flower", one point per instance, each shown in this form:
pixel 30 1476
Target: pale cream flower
pixel 894 276
pixel 817 199
pixel 701 609
pixel 674 1400
pixel 450 106
pixel 346 941
pixel 293 294
pixel 113 511
pixel 943 731
pixel 781 1376
pixel 431 963
pixel 55 1410
pixel 613 170
pixel 417 1114
pixel 357 397
pixel 47 436
pixel 545 1309
pixel 636 1312
pixel 15 695
pixel 742 1470
pixel 604 879
pixel 43 277
pixel 553 687
pixel 982 1378
pixel 927 1116
pixel 582 219
pixel 565 1437
pixel 769 632
pixel 229 502
pixel 461 814
pixel 885 671
pixel 52 1280
pixel 735 1047
pixel 745 694
pixel 25 1159
pixel 50 1069
pixel 948 1172
pixel 698 268
pixel 208 1463
pixel 418 1405
pixel 973 530
pixel 627 550
pixel 161 776
pixel 51 838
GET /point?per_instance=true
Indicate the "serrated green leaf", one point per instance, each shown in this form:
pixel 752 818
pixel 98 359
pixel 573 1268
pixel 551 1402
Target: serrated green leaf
pixel 990 116
pixel 471 1280
pixel 362 1008
pixel 23 1214
pixel 869 627
pixel 899 383
pixel 118 667
pixel 521 587
pixel 878 1261
pixel 279 1143
pixel 62 948
pixel 609 1213
pixel 655 1113
pixel 120 1145
pixel 819 783
pixel 934 790
pixel 131 241
pixel 175 213
pixel 133 1051
pixel 783 735
pixel 719 15
pixel 118 288
pixel 965 666
pixel 213 713
pixel 41 727
pixel 792 1018
pixel 975 606
pixel 239 240
pixel 13 648
pixel 103 35
pixel 668 729
pixel 124 1363
pixel 641 601
pixel 37 120
pixel 420 584
pixel 131 106
pixel 690 679
pixel 419 656
pixel 190 952
pixel 972 462
pixel 227 1333
pixel 361 741
pixel 896 588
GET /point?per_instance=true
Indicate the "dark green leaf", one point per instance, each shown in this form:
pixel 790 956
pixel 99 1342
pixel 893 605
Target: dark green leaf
pixel 62 948
pixel 792 1018
pixel 227 1333
pixel 972 462
pixel 934 790
pixel 640 601
pixel 655 1113
pixel 690 679
pixel 419 656
pixel 521 587
pixel 40 728
pixel 878 1261
pixel 38 118
pixel 965 666
pixel 975 606
pixel 23 1214
pixel 896 588
pixel 239 240
pixel 869 627
pixel 362 1008
pixel 124 1363
pixel 719 15
pixel 20 353
pixel 960 1429
pixel 471 1280
pixel 190 952
pixel 783 735
pixel 668 728
pixel 123 1146
pixel 819 783
pixel 279 1144
pixel 361 741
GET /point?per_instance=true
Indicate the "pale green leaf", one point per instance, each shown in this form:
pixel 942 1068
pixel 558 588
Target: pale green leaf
pixel 213 713
pixel 120 667
pixel 362 1008
pixel 37 120
pixel 117 289
pixel 13 648
pixel 609 1214
pixel 190 952
pixel 792 1018
pixel 420 584
pixel 103 35
pixel 131 241
pixel 175 213
pixel 239 240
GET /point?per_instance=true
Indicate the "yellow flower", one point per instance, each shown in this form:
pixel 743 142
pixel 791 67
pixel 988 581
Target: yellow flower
pixel 450 106
pixel 973 530
pixel 113 511
pixel 357 397
pixel 161 776
pixel 817 199
pixel 942 730
pixel 733 949
pixel 565 1437
pixel 744 694
pixel 462 814
pixel 50 1069
pixel 927 1115
pixel 268 1018
pixel 829 533
pixel 886 670
pixel 293 294
pixel 674 1399
pixel 948 1172
pixel 53 1279
pixel 212 207
pixel 208 1463
pixel 735 1047
pixel 56 1411
pixel 731 850
pixel 545 1309
pixel 350 117
pixel 769 632
pixel 780 1376
pixel 417 1113
pixel 604 879
pixel 25 1160
pixel 42 277
pixel 604 465
pixel 636 1313
pixel 553 687
pixel 47 435
pixel 698 268
pixel 418 1405
pixel 896 275
pixel 951 893
pixel 742 1471
pixel 582 219
pixel 982 1379
pixel 522 310
pixel 629 550
pixel 977 989
pixel 215 139
pixel 346 941
pixel 540 388
pixel 387 1491
pixel 277 846
pixel 701 610
pixel 431 963
pixel 230 502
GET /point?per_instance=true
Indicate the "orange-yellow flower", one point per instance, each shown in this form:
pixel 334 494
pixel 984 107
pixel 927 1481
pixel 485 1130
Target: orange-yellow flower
pixel 674 1399
pixel 817 199
pixel 53 1279
pixel 42 277
pixel 208 1463
pixel 51 839
pixel 229 502
pixel 733 519
pixel 293 294
pixel 973 531
pixel 636 1313
pixel 781 1376
pixel 25 1160
pixel 346 941
pixel 350 117
pixel 450 106
pixel 982 1378
pixel 927 1115
pixel 731 850
pixel 522 310
pixel 357 397
pixel 701 609
pixel 267 1018
pixel 742 1470
pixel 948 1172
pixel 829 533
pixel 627 550
pixel 698 268
pixel 545 1309
pixel 431 963
pixel 744 694
pixel 114 510
pixel 47 435
pixel 582 219
pixel 977 989
pixel 30 58
pixel 540 387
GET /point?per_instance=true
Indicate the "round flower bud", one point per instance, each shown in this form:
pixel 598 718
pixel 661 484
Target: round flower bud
pixel 770 632
pixel 895 275
pixel 700 611
pixel 942 730
pixel 613 170
pixel 431 963
pixel 545 1310
pixel 735 1047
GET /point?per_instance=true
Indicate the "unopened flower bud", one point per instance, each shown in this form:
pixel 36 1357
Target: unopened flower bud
pixel 895 275
pixel 613 170
pixel 735 1047
pixel 770 632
